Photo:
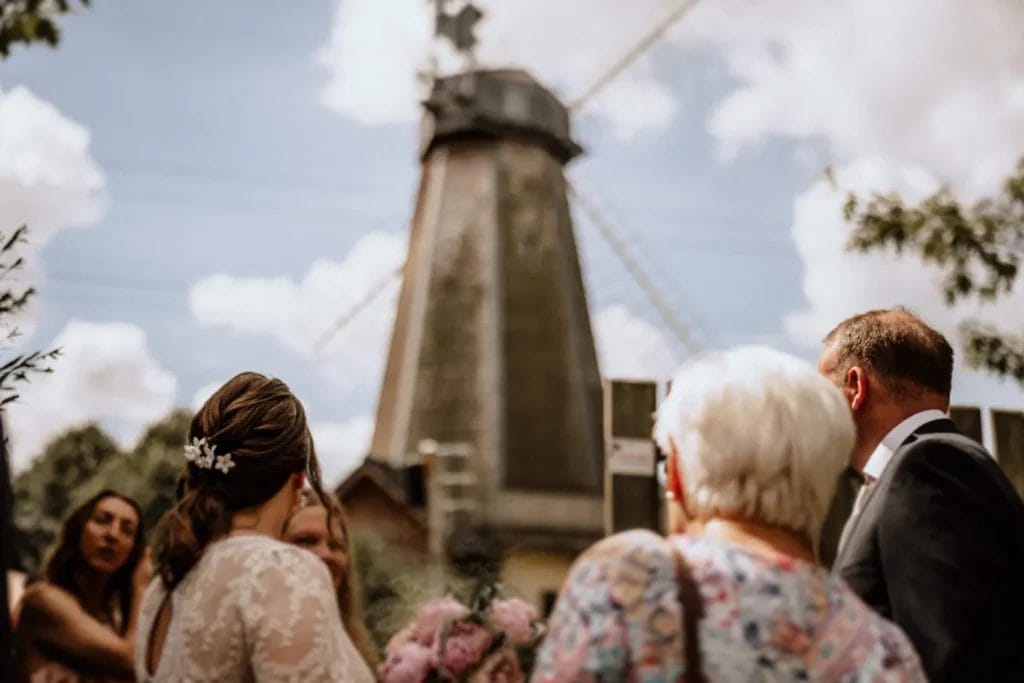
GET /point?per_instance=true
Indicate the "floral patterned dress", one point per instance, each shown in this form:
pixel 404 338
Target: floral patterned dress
pixel 619 619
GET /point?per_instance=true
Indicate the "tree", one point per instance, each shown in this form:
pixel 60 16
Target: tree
pixel 45 492
pixel 157 460
pixel 149 472
pixel 976 247
pixel 31 21
pixel 390 590
pixel 14 302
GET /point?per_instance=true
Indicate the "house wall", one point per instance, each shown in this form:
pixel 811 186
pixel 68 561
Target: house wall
pixel 371 513
pixel 536 576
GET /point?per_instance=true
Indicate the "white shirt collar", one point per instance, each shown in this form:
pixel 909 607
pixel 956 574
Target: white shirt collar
pixel 894 439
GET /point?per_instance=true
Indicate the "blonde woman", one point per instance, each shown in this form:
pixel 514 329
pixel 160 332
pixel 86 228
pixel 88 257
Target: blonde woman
pixel 323 531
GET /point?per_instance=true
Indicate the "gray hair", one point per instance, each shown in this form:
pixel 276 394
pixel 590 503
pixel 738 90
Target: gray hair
pixel 760 435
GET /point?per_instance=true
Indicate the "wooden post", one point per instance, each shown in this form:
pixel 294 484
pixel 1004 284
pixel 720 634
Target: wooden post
pixel 968 420
pixel 1008 435
pixel 631 492
pixel 451 491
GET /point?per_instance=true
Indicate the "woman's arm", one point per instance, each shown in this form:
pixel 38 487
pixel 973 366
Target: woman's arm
pixel 54 622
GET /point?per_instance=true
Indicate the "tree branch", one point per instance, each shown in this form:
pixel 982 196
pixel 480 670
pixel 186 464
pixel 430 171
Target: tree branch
pixel 977 248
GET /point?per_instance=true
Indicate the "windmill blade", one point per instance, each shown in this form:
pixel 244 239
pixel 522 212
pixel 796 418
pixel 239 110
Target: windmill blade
pixel 645 43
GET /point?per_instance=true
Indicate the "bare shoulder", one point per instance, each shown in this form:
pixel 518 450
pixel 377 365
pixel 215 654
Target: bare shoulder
pixel 43 601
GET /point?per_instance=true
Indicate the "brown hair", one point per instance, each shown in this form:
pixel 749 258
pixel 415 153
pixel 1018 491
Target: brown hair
pixel 349 596
pixel 263 426
pixel 908 355
pixel 64 560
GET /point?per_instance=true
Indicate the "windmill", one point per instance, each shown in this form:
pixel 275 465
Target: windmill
pixel 491 414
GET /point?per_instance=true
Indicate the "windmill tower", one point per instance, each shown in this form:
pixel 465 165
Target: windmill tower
pixel 492 345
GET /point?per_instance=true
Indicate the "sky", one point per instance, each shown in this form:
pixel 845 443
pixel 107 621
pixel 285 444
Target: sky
pixel 210 188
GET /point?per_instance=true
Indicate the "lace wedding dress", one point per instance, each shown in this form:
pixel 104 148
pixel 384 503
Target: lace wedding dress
pixel 252 609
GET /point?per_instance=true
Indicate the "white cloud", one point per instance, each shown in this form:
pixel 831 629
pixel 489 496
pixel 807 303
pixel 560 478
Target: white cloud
pixel 341 446
pixel 917 80
pixel 376 48
pixel 106 374
pixel 47 177
pixel 202 393
pixel 937 83
pixel 48 181
pixel 297 313
pixel 838 283
pixel 372 56
pixel 629 347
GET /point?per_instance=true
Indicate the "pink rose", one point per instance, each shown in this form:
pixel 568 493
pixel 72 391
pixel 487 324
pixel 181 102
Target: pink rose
pixel 409 663
pixel 502 666
pixel 515 618
pixel 466 644
pixel 402 637
pixel 434 615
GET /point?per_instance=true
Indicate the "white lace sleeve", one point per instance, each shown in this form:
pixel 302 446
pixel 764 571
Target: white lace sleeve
pixel 292 626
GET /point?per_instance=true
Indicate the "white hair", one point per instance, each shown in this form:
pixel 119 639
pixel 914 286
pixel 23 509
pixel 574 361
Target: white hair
pixel 760 436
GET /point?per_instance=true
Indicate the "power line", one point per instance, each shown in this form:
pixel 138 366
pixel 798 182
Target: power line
pixel 678 328
pixel 162 170
pixel 633 54
pixel 78 278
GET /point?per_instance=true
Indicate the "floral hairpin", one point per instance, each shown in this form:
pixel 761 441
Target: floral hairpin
pixel 202 454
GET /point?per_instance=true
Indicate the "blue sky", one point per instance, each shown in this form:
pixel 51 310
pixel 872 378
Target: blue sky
pixel 221 158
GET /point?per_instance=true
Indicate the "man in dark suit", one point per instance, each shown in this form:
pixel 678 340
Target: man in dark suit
pixel 936 538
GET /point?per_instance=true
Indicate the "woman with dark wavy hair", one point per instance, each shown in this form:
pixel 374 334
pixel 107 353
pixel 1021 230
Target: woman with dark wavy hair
pixel 231 601
pixel 78 621
pixel 322 531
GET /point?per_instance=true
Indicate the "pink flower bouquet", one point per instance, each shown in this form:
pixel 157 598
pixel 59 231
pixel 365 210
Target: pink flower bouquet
pixel 447 641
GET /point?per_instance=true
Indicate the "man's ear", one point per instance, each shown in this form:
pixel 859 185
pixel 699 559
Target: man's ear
pixel 856 387
pixel 673 480
pixel 675 506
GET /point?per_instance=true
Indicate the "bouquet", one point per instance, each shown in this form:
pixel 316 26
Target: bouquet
pixel 492 642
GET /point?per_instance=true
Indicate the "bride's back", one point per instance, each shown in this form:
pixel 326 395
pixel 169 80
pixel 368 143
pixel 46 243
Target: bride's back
pixel 253 608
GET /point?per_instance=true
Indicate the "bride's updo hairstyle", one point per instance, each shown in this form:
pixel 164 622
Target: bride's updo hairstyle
pixel 263 426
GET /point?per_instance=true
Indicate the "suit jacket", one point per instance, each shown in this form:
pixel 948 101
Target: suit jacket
pixel 938 548
pixel 839 511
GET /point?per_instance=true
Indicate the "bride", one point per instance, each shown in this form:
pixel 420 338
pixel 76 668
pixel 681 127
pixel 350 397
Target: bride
pixel 230 601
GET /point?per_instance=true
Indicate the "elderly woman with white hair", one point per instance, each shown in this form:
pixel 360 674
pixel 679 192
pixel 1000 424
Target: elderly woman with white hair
pixel 756 441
